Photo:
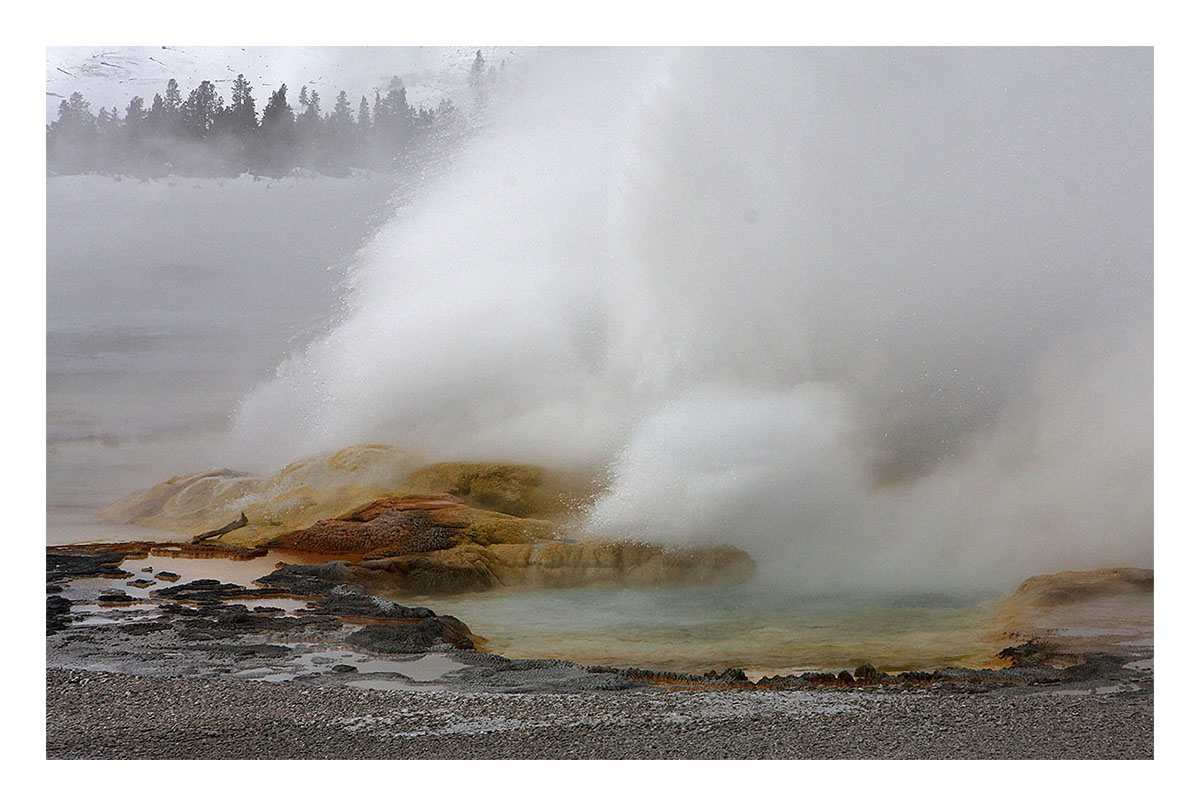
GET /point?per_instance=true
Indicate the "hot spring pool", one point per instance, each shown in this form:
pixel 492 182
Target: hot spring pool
pixel 762 630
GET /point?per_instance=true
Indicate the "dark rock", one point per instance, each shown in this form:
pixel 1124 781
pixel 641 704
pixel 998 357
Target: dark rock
pixel 62 565
pixel 357 605
pixel 845 677
pixel 729 676
pixel 819 678
pixel 921 677
pixel 167 576
pixel 209 590
pixel 399 638
pixel 1097 666
pixel 456 633
pixel 782 681
pixel 115 598
pixel 420 636
pixel 345 668
pixel 144 627
pixel 58 614
pixel 497 673
pixel 141 583
pixel 1030 653
pixel 197 636
pixel 306 580
pixel 234 614
pixel 866 673
pixel 634 673
pixel 250 650
pixel 231 621
pixel 148 569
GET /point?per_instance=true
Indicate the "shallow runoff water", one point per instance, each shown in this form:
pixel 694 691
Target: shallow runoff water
pixel 764 631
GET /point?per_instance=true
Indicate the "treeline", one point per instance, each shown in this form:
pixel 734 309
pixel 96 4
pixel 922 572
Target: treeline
pixel 202 135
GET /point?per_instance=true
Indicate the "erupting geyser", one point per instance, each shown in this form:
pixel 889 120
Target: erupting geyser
pixel 881 318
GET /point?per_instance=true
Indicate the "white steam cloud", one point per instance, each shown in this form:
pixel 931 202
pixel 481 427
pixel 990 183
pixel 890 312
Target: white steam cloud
pixel 880 317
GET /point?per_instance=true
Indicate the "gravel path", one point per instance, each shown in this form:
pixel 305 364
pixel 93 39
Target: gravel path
pixel 106 715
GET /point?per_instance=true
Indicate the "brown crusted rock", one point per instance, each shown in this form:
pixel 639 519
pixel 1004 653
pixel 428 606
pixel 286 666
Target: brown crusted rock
pixel 525 491
pixel 293 498
pixel 181 495
pixel 458 570
pixel 390 527
pixel 555 564
pixel 1044 596
pixel 444 510
pixel 1073 586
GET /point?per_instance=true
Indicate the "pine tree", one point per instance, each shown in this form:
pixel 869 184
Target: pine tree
pixel 156 117
pixel 134 114
pixel 71 139
pixel 341 110
pixel 199 113
pixel 173 99
pixel 278 135
pixel 172 108
pixel 242 115
pixel 340 140
pixel 397 99
pixel 392 128
pixel 309 134
pixel 361 150
pixel 131 151
pixel 477 69
pixel 237 129
pixel 75 113
pixel 108 130
pixel 200 136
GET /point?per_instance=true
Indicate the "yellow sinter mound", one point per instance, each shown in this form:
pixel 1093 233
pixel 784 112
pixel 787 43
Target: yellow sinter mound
pixel 445 527
pixel 295 497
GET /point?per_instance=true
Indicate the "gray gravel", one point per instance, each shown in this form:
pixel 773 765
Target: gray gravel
pixel 93 714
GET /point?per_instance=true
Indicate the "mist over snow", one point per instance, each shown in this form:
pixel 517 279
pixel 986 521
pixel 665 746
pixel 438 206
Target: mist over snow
pixel 880 317
pixel 110 76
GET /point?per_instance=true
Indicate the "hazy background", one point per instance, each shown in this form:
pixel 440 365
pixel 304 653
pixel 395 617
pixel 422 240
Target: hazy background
pixel 110 76
pixel 881 317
